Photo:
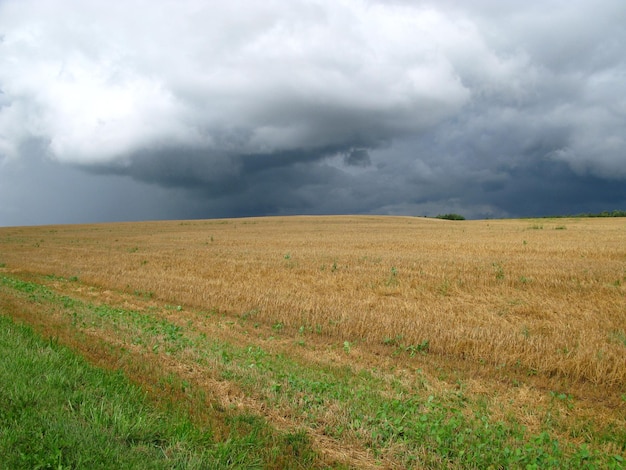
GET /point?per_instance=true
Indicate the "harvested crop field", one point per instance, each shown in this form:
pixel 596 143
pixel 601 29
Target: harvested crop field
pixel 388 342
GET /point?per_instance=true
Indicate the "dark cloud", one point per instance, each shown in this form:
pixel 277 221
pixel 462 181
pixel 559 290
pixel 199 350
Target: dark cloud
pixel 357 157
pixel 205 110
pixel 35 190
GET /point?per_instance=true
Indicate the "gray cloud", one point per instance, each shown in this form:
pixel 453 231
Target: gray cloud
pixel 36 190
pixel 486 108
pixel 357 157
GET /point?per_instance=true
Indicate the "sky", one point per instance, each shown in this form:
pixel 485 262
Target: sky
pixel 192 109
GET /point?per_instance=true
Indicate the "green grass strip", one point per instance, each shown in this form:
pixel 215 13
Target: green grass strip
pixel 446 430
pixel 58 411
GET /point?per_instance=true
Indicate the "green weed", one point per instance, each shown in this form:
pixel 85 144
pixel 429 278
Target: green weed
pixel 499 271
pixel 618 336
pixel 422 348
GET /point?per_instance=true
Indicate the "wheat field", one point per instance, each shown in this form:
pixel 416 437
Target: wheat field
pixel 544 295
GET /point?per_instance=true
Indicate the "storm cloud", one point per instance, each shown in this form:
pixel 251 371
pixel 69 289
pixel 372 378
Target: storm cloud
pixel 189 108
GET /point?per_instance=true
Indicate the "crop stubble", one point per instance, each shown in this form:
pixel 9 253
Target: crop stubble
pixel 546 296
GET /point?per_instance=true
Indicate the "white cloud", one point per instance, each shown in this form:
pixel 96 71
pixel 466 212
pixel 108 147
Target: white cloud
pixel 101 82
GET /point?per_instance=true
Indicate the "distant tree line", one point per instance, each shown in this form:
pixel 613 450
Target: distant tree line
pixel 615 213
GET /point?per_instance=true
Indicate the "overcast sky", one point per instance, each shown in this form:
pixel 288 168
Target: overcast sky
pixel 154 109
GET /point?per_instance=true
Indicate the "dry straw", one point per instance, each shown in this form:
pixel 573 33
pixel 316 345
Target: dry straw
pixel 546 296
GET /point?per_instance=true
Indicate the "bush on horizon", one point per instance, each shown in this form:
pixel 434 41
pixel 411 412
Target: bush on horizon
pixel 450 217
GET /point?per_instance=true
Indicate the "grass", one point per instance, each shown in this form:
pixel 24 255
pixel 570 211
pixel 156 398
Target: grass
pixel 417 343
pixel 58 411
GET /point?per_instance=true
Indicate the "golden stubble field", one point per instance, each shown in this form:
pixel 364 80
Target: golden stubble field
pixel 545 296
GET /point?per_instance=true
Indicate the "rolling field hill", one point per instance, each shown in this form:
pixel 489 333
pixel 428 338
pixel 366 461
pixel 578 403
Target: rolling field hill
pixel 348 341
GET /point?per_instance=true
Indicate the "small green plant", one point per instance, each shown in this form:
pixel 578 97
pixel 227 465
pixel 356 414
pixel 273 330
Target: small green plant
pixel 145 295
pixel 564 398
pixel 422 348
pixel 499 271
pixel 250 313
pixel 347 346
pixel 444 287
pixel 393 277
pixel 618 336
pixel 395 341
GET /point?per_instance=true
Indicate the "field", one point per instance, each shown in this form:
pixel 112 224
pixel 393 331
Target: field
pixel 359 342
